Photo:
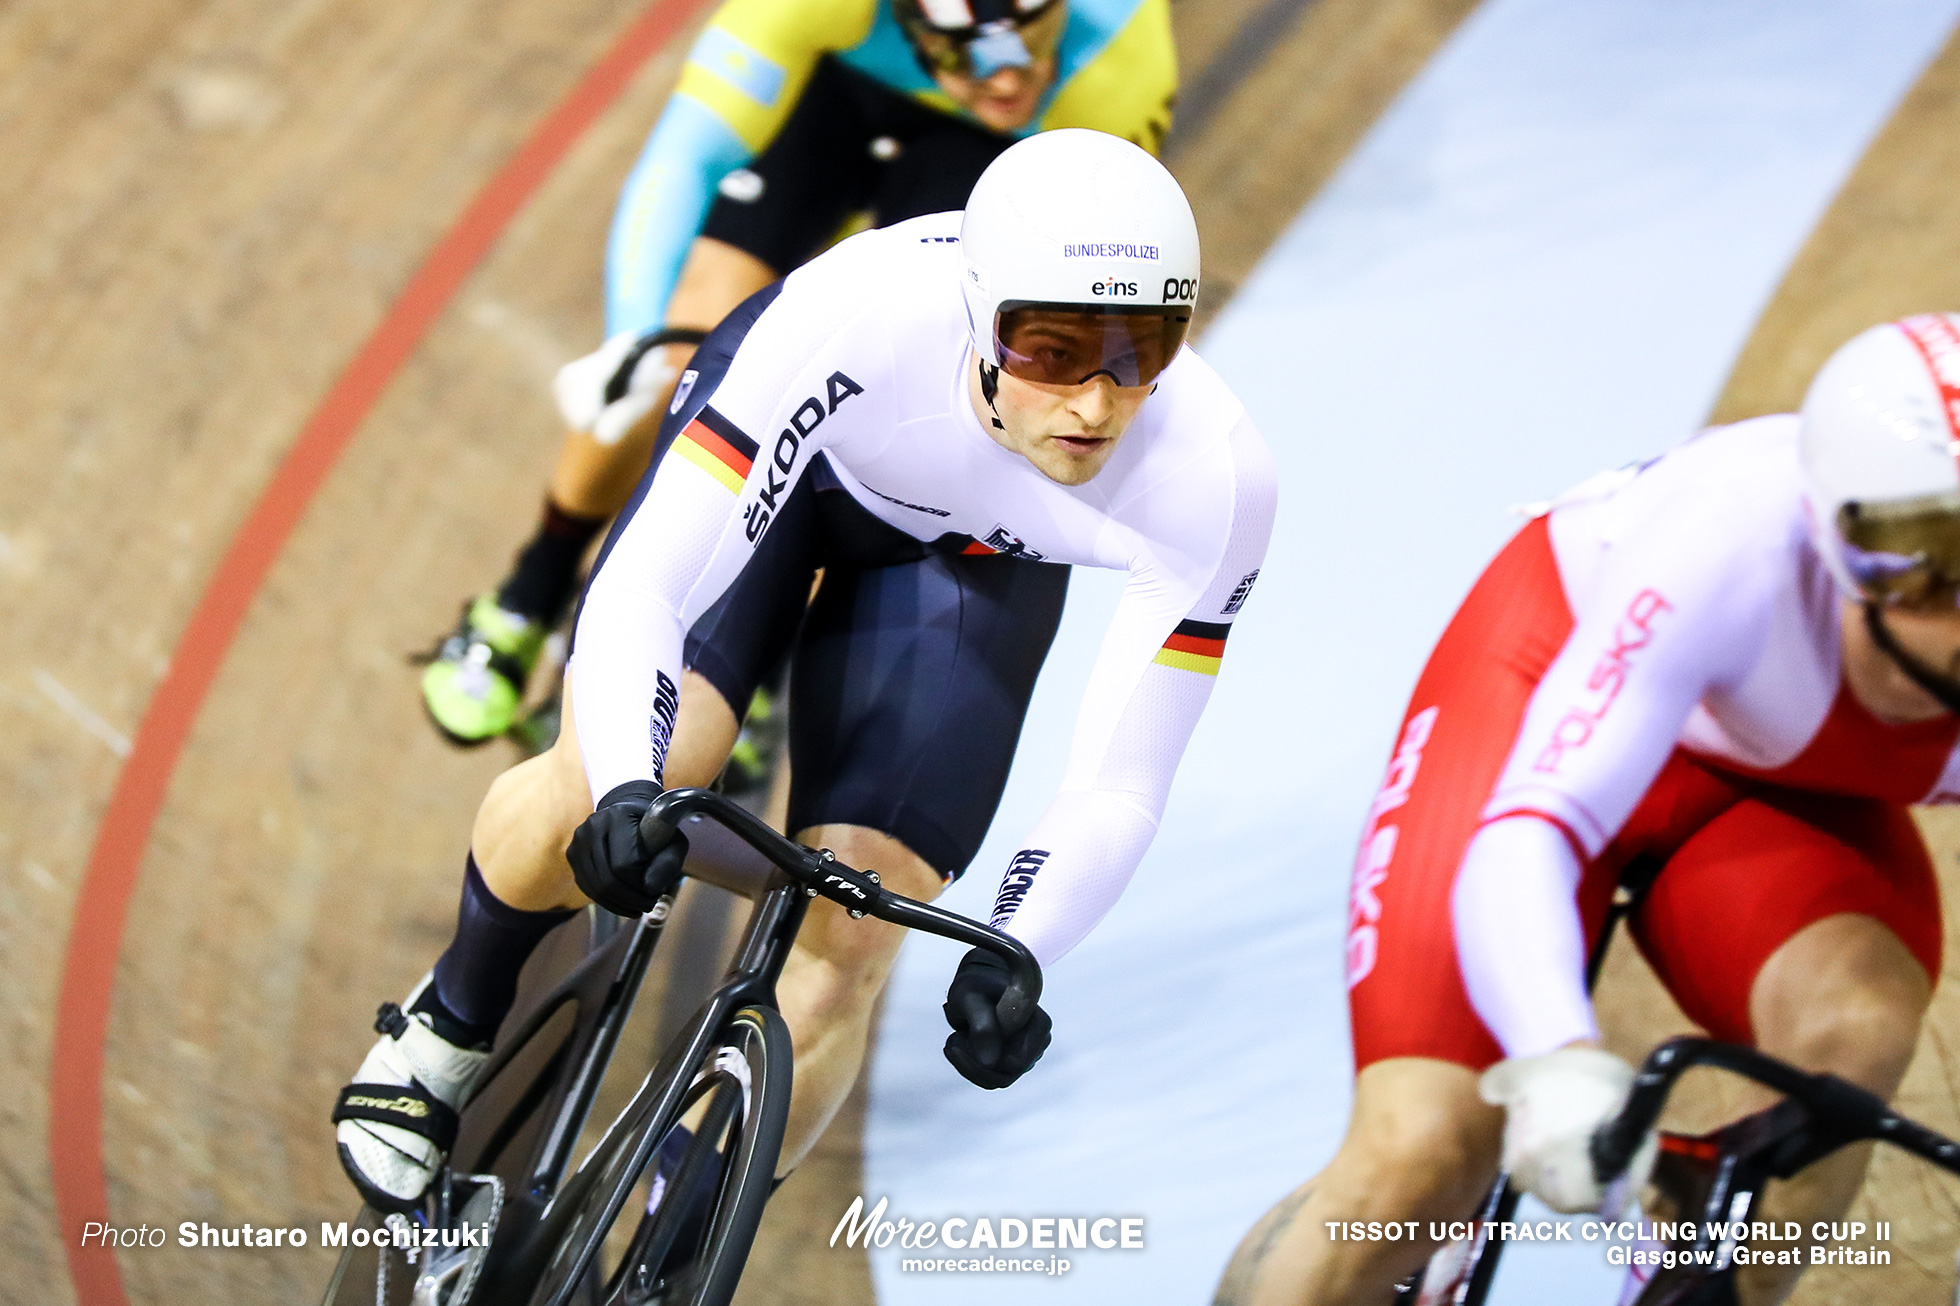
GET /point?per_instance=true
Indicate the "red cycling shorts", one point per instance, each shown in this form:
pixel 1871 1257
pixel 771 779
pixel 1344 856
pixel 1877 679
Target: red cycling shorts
pixel 1748 864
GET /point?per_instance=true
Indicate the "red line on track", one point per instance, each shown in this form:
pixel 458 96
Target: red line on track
pixel 102 907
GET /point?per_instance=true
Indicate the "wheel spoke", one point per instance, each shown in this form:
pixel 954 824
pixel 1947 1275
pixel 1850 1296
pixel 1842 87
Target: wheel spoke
pixel 699 1182
pixel 688 1249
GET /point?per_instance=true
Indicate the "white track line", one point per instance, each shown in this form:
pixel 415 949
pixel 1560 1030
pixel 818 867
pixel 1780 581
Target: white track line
pixel 64 698
pixel 1541 262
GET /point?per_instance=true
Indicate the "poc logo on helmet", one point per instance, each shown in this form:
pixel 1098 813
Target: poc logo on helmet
pixel 1180 289
pixel 1114 288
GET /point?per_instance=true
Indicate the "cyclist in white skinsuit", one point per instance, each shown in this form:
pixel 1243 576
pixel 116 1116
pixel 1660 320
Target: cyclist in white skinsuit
pixel 930 413
pixel 1739 660
pixel 874 375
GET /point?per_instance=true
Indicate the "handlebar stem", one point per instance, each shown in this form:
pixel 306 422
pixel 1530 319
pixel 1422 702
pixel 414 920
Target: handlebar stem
pixel 822 875
pixel 1846 1111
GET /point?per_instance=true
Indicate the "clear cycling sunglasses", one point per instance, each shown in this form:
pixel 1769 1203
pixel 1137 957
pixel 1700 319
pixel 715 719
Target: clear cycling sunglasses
pixel 987 48
pixel 1904 552
pixel 1070 344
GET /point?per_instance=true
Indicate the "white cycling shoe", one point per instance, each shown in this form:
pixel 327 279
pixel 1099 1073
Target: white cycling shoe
pixel 397 1121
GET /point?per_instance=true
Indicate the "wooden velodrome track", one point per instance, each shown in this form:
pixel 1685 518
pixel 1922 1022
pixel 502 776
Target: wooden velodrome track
pixel 231 218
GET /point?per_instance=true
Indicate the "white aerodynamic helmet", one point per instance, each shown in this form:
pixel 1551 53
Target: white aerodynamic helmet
pixel 1081 258
pixel 1881 459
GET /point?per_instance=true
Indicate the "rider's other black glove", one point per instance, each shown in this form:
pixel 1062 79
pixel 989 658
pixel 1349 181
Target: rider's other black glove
pixel 612 866
pixel 981 1047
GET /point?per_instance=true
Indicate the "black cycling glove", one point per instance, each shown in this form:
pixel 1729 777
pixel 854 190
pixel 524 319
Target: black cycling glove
pixel 980 1046
pixel 611 865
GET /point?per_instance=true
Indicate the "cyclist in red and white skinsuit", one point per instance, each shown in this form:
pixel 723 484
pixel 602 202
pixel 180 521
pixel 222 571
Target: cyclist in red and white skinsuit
pixel 1739 658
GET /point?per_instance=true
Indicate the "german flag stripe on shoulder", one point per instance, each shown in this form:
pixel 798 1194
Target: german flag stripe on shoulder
pixel 718 447
pixel 1195 646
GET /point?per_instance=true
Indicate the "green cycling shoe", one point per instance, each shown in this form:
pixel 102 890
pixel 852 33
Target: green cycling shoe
pixel 473 686
pixel 752 762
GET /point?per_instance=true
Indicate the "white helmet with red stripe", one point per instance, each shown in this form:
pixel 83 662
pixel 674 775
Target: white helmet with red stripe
pixel 1881 460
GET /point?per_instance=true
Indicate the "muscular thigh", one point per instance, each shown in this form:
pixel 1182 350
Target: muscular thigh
pixel 1763 870
pixel 527 820
pixel 908 688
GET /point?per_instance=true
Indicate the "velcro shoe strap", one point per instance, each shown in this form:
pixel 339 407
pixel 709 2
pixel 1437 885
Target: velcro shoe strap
pixel 508 666
pixel 407 1108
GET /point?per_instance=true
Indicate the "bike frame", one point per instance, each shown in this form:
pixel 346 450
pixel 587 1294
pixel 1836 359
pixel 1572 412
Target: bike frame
pixel 1819 1114
pixel 782 897
pixel 732 848
pixel 1840 1113
pixel 1501 1202
pixel 1772 1144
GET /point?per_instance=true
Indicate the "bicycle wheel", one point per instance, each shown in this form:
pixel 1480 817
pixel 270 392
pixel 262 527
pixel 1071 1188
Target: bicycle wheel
pixel 690 1247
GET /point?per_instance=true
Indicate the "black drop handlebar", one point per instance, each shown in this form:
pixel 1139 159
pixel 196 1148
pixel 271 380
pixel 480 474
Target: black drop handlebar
pixel 821 875
pixel 1849 1112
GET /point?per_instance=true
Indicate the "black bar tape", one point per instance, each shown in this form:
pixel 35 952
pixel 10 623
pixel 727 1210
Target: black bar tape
pixel 622 375
pixel 510 668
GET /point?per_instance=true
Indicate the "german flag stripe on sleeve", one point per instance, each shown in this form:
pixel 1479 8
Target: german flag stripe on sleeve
pixel 1194 646
pixel 718 447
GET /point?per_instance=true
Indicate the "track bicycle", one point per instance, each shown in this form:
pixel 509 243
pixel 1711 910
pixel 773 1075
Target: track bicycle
pixel 1713 1180
pixel 663 1209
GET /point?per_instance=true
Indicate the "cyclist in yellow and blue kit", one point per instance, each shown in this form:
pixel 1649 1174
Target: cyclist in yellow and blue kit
pixel 794 122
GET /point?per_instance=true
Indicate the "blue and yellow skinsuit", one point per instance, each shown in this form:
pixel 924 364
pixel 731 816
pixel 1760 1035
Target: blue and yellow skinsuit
pixel 1116 71
pixel 825 111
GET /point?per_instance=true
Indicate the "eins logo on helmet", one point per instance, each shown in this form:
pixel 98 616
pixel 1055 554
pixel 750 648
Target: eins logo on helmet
pixel 1113 287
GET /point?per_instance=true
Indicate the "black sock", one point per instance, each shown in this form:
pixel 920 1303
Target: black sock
pixel 476 976
pixel 541 583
